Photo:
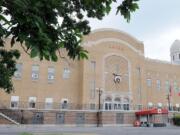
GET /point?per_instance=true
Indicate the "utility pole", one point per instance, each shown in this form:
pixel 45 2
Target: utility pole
pixel 169 102
pixel 100 91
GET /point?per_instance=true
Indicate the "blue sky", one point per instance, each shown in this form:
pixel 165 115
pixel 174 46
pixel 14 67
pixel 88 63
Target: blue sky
pixel 156 23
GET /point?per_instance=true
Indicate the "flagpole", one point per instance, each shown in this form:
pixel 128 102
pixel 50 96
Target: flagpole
pixel 169 97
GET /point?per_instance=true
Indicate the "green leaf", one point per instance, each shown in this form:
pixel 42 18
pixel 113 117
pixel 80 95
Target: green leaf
pixel 34 52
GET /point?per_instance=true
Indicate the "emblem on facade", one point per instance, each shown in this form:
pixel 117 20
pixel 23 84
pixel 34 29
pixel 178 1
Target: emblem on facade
pixel 117 78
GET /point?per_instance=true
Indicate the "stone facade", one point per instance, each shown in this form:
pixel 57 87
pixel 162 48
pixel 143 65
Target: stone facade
pixel 116 65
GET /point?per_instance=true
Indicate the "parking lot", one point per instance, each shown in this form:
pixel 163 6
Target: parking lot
pixel 52 130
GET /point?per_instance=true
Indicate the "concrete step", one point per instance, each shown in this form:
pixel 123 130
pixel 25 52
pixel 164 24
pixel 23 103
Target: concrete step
pixel 9 119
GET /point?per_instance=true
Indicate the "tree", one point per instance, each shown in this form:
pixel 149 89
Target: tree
pixel 35 24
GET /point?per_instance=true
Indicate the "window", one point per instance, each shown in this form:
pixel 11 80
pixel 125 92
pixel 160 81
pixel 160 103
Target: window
pixel 93 66
pixel 150 105
pixel 14 101
pixel 51 74
pixel 179 56
pixel 167 86
pixel 92 89
pixel 149 82
pixel 158 83
pixel 159 105
pixel 173 57
pixel 32 102
pixel 126 107
pixel 108 106
pixel 64 103
pixel 126 104
pixel 108 103
pixel 92 106
pixel 18 72
pixel 176 87
pixel 35 72
pixel 117 103
pixel 66 73
pixel 48 103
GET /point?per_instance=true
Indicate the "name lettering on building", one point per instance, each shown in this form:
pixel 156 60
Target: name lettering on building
pixel 116 47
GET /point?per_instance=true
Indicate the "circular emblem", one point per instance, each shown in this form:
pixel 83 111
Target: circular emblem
pixel 117 78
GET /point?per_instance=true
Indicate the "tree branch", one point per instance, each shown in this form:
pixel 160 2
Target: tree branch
pixel 26 50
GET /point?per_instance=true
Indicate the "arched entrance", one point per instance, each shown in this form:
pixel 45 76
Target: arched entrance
pixel 116 83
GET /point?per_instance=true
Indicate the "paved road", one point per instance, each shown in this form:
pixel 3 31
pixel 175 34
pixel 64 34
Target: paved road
pixel 15 130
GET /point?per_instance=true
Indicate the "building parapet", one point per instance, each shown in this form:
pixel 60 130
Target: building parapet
pixel 160 61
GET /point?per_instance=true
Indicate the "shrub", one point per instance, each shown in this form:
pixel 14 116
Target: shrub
pixel 176 120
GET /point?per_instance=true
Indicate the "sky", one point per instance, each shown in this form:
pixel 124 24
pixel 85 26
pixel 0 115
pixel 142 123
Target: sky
pixel 156 23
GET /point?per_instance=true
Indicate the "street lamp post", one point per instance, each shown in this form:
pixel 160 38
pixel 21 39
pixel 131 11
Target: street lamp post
pixel 169 104
pixel 100 91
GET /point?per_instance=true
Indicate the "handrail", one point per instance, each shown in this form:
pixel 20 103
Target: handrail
pixel 8 118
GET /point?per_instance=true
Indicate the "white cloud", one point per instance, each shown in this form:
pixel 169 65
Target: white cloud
pixel 158 45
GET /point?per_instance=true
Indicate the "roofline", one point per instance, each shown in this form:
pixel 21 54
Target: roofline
pixel 116 30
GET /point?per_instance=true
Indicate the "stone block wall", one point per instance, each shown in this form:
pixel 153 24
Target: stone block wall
pixel 68 117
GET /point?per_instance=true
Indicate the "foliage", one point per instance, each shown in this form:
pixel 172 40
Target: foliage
pixel 44 27
pixel 176 120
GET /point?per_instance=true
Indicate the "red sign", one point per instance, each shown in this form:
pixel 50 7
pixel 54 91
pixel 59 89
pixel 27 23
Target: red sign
pixel 152 111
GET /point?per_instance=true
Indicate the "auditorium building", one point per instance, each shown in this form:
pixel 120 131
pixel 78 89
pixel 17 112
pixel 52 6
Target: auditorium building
pixel 117 75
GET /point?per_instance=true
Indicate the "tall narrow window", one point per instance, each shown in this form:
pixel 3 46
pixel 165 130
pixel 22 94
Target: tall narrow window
pixel 176 87
pixel 93 66
pixel 48 103
pixel 32 102
pixel 66 73
pixel 179 56
pixel 92 89
pixel 108 103
pixel 51 74
pixel 158 83
pixel 14 102
pixel 167 86
pixel 18 72
pixel 149 82
pixel 35 72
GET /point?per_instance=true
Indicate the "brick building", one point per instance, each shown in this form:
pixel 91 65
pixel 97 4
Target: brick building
pixel 116 66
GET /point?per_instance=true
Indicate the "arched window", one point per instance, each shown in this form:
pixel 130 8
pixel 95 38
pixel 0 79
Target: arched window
pixel 117 99
pixel 108 99
pixel 117 103
pixel 126 103
pixel 108 103
pixel 126 100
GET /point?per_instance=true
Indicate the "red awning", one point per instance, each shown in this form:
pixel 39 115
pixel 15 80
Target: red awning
pixel 152 111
